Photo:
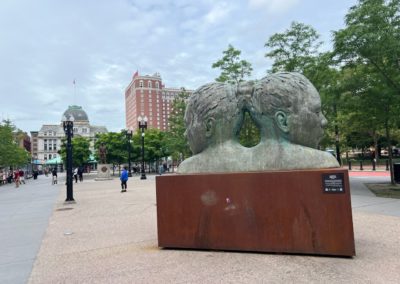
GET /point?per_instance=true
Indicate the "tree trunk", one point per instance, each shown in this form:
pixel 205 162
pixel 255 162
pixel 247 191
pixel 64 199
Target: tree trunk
pixel 390 152
pixel 376 148
pixel 337 136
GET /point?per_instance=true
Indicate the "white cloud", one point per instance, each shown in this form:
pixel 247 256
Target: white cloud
pixel 45 44
pixel 217 13
pixel 273 6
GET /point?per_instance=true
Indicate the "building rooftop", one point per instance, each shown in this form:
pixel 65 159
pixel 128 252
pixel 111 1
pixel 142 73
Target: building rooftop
pixel 77 112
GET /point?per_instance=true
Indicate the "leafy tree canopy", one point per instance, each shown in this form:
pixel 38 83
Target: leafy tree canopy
pixel 117 147
pixel 10 153
pixel 175 137
pixel 80 151
pixel 233 69
pixel 293 50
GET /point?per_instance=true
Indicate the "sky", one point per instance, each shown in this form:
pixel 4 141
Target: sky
pixel 47 44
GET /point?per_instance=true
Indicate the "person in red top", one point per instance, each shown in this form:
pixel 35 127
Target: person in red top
pixel 16 178
pixel 21 176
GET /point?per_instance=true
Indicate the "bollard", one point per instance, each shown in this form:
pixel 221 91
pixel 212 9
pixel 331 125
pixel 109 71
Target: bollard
pixel 349 165
pixel 373 165
pixel 387 165
pixel 361 166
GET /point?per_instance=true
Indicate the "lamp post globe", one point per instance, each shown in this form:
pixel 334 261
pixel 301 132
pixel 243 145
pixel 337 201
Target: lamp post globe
pixel 142 126
pixel 68 125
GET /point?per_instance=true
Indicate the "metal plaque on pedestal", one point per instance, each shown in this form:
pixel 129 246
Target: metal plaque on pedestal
pixel 103 172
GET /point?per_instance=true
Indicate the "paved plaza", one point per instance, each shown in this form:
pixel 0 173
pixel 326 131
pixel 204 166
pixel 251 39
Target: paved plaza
pixel 111 237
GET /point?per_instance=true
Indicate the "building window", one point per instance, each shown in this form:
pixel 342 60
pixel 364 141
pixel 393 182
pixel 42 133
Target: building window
pixel 45 156
pixel 49 156
pixel 75 130
pixel 141 84
pixel 157 85
pixel 149 84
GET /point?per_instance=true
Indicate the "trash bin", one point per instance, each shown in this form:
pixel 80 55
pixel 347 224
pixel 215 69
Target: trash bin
pixel 396 170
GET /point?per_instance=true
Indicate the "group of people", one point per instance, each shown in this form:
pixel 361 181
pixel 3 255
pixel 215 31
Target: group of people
pixel 17 176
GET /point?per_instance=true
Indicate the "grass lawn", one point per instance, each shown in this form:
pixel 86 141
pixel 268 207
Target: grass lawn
pixel 384 189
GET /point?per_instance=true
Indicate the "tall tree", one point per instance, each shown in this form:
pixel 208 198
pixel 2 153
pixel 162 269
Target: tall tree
pixel 372 37
pixel 6 145
pixel 80 151
pixel 10 153
pixel 295 49
pixel 233 69
pixel 117 148
pixel 155 145
pixel 175 137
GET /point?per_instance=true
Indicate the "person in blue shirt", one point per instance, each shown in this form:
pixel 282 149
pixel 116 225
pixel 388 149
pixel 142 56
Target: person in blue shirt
pixel 124 179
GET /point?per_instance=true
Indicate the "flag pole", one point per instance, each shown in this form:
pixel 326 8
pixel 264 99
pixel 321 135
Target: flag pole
pixel 74 82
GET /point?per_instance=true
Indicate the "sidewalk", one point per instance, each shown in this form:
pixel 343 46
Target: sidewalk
pixel 24 216
pixel 111 237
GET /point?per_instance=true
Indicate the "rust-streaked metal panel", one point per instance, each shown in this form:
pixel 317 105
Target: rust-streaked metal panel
pixel 277 211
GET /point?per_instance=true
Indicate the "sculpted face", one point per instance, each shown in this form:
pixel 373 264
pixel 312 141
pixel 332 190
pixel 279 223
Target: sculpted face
pixel 290 104
pixel 306 126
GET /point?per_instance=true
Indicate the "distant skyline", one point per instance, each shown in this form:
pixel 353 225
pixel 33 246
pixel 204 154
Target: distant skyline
pixel 47 44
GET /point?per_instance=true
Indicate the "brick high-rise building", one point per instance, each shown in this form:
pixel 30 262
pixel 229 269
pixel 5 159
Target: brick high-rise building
pixel 147 96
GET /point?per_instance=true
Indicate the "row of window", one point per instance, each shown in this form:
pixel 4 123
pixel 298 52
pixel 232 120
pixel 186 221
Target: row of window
pixel 50 145
pixel 49 133
pixel 51 156
pixel 83 130
pixel 149 84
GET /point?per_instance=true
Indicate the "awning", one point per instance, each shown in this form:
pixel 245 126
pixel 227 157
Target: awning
pixel 91 160
pixel 54 161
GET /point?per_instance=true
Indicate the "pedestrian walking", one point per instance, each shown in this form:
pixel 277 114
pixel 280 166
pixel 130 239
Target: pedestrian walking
pixel 76 175
pixel 54 176
pixel 124 179
pixel 16 178
pixel 80 174
pixel 10 177
pixel 21 176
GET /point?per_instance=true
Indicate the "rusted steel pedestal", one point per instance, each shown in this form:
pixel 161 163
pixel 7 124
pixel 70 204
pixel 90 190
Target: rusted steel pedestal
pixel 307 211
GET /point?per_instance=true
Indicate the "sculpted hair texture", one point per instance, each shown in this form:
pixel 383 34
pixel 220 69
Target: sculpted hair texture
pixel 281 91
pixel 215 100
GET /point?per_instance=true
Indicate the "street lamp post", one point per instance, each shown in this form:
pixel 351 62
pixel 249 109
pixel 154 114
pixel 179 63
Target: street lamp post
pixel 128 134
pixel 142 125
pixel 68 124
